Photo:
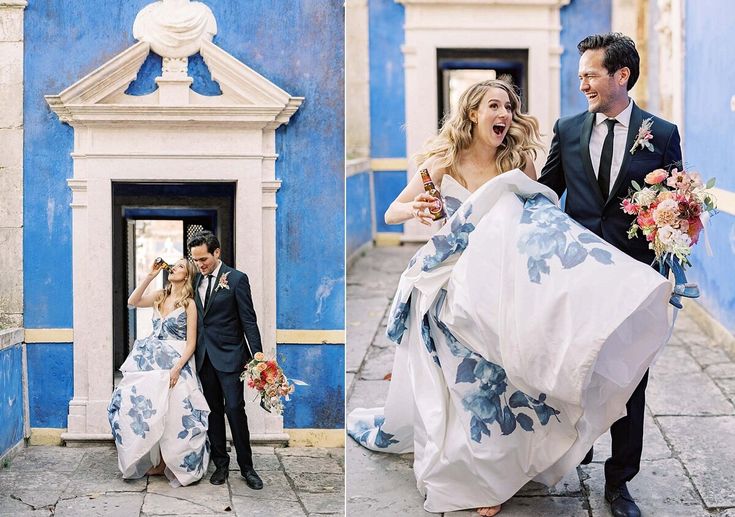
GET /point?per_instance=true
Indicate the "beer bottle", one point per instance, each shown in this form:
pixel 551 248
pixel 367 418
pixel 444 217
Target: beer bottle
pixel 437 209
pixel 164 265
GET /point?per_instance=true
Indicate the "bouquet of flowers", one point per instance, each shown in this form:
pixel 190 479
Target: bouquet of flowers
pixel 267 378
pixel 669 211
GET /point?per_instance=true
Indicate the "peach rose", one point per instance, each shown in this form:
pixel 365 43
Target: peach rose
pixel 656 177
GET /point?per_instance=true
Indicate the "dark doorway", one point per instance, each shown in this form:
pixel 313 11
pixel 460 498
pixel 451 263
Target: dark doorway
pixel 156 219
pixel 457 69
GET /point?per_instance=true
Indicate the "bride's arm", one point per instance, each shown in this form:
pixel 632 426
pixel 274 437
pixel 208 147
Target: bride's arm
pixel 530 168
pixel 413 200
pixel 137 299
pixel 191 342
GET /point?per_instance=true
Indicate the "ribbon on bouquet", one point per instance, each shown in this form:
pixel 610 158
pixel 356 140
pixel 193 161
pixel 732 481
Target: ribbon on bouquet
pixel 681 286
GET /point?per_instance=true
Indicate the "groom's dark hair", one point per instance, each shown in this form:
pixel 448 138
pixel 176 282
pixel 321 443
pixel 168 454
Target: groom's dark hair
pixel 204 237
pixel 620 52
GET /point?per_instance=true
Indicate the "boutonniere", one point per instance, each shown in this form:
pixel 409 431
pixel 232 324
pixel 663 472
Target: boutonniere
pixel 644 135
pixel 223 282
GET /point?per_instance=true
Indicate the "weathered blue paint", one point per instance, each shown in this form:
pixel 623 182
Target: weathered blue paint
pixel 320 405
pixel 579 19
pixel 50 383
pixel 358 213
pixel 11 397
pixel 387 184
pixel 311 148
pixel 714 274
pixel 387 85
pixel 145 82
pixel 709 126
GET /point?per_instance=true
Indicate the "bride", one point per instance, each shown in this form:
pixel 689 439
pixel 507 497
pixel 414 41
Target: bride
pixel 158 414
pixel 520 334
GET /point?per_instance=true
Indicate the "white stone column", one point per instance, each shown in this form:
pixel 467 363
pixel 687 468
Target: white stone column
pixel 11 160
pixel 357 75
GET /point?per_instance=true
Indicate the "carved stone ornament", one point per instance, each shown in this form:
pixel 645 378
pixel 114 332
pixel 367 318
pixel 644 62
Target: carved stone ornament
pixel 175 28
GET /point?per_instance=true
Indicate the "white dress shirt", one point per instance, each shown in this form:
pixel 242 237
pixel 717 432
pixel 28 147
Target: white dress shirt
pixel 597 139
pixel 203 283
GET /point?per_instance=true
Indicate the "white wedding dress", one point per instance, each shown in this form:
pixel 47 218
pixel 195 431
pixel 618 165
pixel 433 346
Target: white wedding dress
pixel 520 337
pixel 148 420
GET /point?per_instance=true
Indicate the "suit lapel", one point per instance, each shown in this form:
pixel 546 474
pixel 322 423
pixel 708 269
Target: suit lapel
pixel 223 269
pixel 584 146
pixel 636 118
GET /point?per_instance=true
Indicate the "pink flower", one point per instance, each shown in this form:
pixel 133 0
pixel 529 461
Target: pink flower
pixel 656 177
pixel 629 207
pixel 645 219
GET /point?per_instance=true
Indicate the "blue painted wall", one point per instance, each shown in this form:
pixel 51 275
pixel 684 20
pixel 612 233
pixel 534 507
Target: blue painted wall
pixel 579 19
pixel 387 101
pixel 388 184
pixel 387 85
pixel 50 383
pixel 358 212
pixel 709 127
pixel 297 44
pixel 11 397
pixel 320 405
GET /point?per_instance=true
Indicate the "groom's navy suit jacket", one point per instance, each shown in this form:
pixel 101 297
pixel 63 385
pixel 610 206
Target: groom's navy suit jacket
pixel 569 167
pixel 227 329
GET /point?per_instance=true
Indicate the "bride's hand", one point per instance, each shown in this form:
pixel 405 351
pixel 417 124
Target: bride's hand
pixel 174 377
pixel 156 268
pixel 420 208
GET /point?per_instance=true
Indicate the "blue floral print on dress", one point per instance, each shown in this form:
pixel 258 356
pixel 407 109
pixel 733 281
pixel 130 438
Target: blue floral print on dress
pixel 141 410
pixel 550 235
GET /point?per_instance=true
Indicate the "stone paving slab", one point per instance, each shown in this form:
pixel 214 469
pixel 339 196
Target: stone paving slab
pixel 378 364
pixel 201 498
pixel 364 318
pixel 705 445
pixel 686 394
pixel 10 507
pixel 36 489
pixel 246 507
pixel 103 505
pixel 323 503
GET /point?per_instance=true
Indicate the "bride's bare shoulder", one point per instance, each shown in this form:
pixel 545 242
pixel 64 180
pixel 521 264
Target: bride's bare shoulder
pixel 436 171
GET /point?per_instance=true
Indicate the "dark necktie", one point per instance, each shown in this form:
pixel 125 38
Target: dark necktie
pixel 209 290
pixel 603 176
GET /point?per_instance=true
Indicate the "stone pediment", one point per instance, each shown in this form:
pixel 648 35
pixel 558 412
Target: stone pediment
pixel 247 97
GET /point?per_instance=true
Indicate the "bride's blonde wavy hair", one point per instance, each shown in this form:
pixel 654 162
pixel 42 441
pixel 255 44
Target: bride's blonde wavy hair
pixel 187 291
pixel 523 137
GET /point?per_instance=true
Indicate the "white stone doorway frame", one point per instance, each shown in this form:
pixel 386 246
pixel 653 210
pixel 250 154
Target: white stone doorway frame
pixel 172 134
pixel 474 24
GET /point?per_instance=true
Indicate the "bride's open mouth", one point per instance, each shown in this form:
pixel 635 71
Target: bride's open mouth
pixel 498 129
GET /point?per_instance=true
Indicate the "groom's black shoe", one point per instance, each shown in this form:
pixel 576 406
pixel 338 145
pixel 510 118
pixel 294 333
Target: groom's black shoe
pixel 219 475
pixel 621 502
pixel 252 478
pixel 588 457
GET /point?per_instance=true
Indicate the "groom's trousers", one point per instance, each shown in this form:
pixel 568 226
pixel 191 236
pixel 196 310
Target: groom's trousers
pixel 627 439
pixel 224 392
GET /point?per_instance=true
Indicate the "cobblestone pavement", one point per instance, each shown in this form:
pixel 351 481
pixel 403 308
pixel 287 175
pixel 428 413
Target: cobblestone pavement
pixel 688 465
pixel 81 482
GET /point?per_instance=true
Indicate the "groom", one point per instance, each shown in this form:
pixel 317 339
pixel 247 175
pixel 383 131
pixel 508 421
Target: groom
pixel 594 157
pixel 227 338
